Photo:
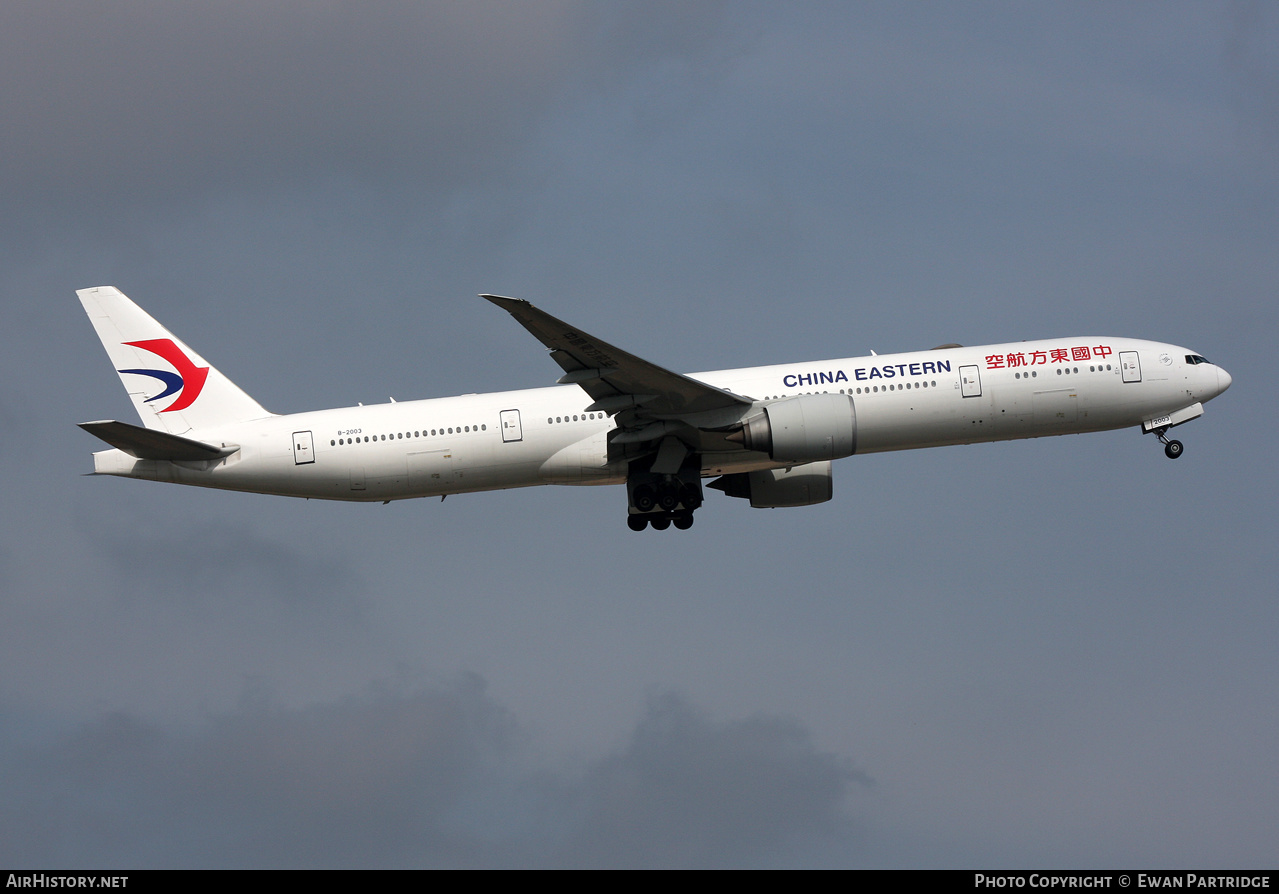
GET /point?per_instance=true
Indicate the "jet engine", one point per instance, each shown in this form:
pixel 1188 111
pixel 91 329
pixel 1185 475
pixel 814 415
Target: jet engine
pixel 802 429
pixel 801 485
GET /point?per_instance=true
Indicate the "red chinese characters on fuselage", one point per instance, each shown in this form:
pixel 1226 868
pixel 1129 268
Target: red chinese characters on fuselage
pixel 1076 353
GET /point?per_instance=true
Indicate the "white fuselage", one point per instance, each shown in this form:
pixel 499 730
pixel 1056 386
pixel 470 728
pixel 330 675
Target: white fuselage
pixel 548 436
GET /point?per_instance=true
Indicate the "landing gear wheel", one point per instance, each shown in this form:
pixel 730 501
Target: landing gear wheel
pixel 668 497
pixel 661 524
pixel 1173 449
pixel 636 522
pixel 690 498
pixel 645 498
pixel 684 521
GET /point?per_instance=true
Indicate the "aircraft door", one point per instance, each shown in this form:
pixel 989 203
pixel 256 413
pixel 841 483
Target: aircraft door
pixel 511 429
pixel 970 381
pixel 303 448
pixel 1131 366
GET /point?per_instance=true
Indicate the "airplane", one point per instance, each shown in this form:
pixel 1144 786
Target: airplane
pixel 766 434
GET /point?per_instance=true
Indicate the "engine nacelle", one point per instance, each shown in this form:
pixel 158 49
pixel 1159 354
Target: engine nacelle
pixel 803 429
pixel 777 488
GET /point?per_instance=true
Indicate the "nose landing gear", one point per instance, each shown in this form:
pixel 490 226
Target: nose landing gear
pixel 1172 449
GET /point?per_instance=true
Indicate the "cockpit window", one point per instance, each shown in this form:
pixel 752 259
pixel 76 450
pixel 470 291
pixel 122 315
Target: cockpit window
pixel 1195 359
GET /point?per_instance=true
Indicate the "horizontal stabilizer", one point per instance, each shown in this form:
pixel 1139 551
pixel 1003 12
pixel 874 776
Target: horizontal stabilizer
pixel 150 443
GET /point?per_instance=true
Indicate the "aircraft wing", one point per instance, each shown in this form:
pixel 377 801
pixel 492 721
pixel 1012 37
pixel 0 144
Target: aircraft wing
pixel 615 380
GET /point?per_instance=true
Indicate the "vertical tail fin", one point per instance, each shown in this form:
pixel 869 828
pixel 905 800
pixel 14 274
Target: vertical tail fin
pixel 172 387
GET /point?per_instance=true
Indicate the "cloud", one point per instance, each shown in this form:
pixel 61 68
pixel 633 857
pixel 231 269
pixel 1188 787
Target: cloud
pixel 367 780
pixel 153 98
pixel 213 563
pixel 434 776
pixel 688 791
pixel 1250 58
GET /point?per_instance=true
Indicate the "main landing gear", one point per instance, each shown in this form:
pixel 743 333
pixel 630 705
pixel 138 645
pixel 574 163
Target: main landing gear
pixel 1172 449
pixel 663 500
pixel 660 520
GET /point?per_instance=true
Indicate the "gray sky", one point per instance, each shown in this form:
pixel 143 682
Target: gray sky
pixel 1046 653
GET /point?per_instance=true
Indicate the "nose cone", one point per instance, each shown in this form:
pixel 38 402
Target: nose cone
pixel 1223 380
